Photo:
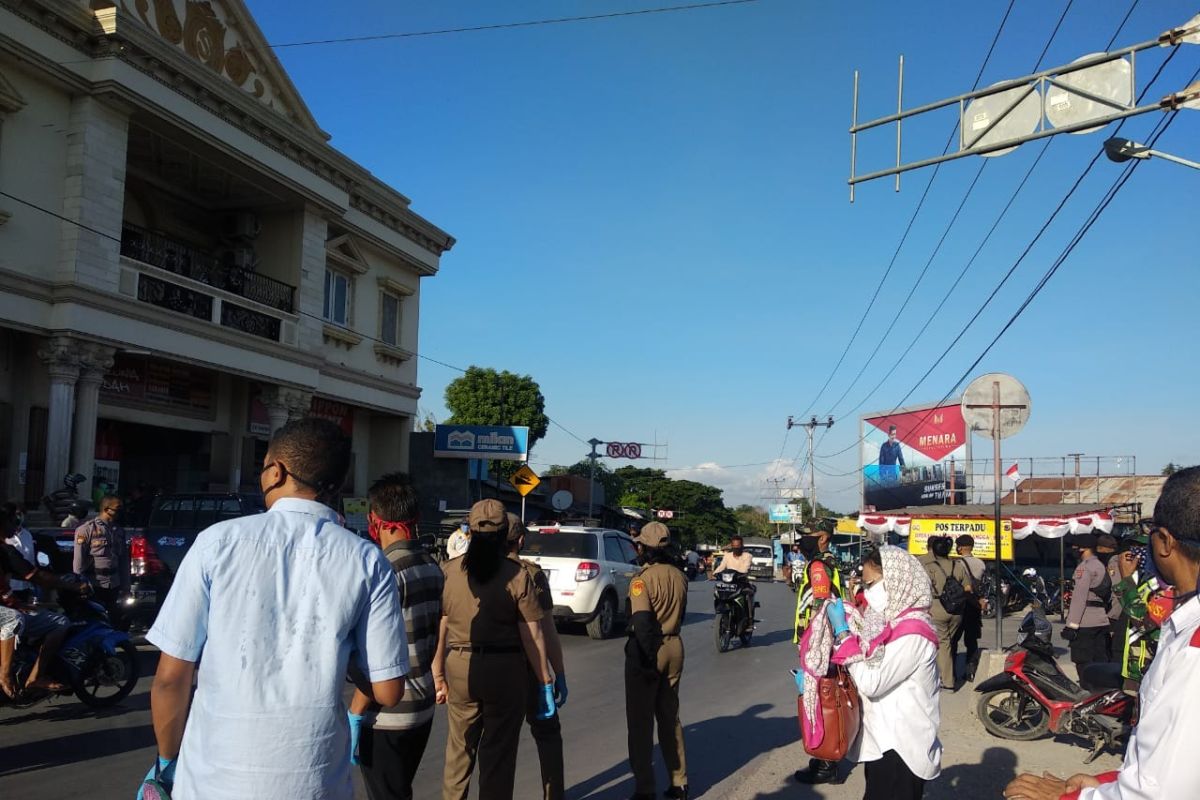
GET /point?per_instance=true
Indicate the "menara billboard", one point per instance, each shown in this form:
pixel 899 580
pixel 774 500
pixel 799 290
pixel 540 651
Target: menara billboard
pixel 906 456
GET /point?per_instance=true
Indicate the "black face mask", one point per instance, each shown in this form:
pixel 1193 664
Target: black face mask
pixel 810 547
pixel 737 551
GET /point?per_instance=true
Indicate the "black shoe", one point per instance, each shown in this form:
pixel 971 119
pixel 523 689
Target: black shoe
pixel 677 793
pixel 818 772
pixel 643 796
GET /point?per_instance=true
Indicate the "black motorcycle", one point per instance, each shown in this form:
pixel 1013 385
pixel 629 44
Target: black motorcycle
pixel 734 606
pixel 96 662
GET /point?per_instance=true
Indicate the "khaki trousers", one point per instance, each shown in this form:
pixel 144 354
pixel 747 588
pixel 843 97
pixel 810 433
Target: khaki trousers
pixel 654 697
pixel 547 735
pixel 485 707
pixel 947 628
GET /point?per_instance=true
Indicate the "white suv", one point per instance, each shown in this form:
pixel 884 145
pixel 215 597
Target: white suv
pixel 589 570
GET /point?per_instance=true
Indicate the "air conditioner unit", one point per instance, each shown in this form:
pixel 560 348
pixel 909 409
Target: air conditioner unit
pixel 243 225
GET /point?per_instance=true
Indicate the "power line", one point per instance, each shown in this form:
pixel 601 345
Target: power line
pixel 1159 129
pixel 1010 271
pixel 908 228
pixel 510 25
pixel 298 312
pixel 949 226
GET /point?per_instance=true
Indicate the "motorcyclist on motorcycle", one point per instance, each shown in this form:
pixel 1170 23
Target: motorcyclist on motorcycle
pixel 35 623
pixel 737 559
pixel 795 565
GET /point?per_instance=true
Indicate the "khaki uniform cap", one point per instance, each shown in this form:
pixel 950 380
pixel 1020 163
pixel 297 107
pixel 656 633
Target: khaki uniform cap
pixel 654 535
pixel 487 516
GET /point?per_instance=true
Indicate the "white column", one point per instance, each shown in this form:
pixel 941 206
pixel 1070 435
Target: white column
pixel 61 357
pixel 284 404
pixel 95 361
pixel 93 193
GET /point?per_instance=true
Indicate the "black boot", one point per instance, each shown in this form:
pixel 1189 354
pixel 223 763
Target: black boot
pixel 677 793
pixel 818 771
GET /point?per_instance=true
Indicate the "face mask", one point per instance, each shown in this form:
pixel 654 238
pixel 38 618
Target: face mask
pixel 877 597
pixel 737 551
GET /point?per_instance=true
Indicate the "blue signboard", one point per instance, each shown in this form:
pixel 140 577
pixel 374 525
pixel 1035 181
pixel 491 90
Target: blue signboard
pixel 492 442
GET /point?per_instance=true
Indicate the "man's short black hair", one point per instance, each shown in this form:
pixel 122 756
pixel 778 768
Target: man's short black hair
pixel 393 498
pixel 1178 507
pixel 316 453
pixel 940 545
pixel 108 501
pixel 736 537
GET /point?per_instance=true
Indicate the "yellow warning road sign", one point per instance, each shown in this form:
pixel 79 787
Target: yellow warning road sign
pixel 524 480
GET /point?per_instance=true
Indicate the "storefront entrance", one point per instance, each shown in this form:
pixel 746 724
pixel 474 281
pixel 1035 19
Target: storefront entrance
pixel 161 460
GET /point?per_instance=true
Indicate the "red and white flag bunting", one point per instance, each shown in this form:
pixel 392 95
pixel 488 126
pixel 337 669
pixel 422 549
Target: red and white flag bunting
pixel 1056 528
pixel 881 523
pixel 1023 527
pixel 1013 475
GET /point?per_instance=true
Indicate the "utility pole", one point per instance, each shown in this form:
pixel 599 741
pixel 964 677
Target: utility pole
pixel 592 456
pixel 811 426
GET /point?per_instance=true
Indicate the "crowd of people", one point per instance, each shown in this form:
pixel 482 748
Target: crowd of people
pixel 270 615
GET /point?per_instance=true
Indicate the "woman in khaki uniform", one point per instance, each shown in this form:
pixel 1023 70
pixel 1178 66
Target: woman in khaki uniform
pixel 654 665
pixel 490 629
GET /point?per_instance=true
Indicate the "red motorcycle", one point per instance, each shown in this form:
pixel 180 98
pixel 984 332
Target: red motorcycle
pixel 1033 697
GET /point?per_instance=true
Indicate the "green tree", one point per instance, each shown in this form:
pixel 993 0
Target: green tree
pixel 753 521
pixel 483 396
pixel 638 485
pixel 1170 469
pixel 700 512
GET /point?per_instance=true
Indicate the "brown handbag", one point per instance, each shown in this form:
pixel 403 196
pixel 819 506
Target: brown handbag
pixel 840 710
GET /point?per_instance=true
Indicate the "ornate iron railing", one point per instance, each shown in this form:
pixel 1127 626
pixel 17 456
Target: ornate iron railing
pixel 199 265
pixel 174 297
pixel 249 321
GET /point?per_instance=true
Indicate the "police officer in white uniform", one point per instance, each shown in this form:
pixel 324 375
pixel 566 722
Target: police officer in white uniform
pixel 1160 763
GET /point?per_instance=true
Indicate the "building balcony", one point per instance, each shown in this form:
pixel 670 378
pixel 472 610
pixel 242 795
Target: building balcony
pixel 198 265
pixel 179 278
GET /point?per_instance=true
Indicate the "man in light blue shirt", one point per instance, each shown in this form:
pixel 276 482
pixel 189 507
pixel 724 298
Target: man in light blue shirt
pixel 272 606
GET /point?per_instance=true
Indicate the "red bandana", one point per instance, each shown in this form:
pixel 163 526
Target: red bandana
pixel 403 530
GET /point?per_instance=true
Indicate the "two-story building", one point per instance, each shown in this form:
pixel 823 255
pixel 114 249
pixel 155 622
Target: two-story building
pixel 185 261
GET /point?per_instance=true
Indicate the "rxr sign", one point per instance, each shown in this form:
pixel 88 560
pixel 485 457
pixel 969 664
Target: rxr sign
pixel 624 450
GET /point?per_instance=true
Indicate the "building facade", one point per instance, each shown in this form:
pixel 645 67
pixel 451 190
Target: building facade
pixel 185 262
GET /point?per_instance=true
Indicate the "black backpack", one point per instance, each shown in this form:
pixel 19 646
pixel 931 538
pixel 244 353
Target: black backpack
pixel 953 597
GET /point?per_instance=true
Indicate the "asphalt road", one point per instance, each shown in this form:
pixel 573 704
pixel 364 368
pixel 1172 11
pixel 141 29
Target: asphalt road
pixel 738 711
pixel 736 707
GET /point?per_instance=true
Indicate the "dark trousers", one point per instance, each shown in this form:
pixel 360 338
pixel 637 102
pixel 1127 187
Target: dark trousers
pixel 389 760
pixel 889 778
pixel 1090 645
pixel 969 633
pixel 1116 639
pixel 547 735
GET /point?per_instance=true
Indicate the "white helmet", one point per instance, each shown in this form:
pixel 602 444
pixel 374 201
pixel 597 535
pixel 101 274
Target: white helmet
pixel 1029 572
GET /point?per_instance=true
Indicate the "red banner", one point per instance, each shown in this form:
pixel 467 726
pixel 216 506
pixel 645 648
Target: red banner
pixel 935 433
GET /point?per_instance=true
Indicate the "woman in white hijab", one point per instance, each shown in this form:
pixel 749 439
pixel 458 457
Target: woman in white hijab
pixel 890 649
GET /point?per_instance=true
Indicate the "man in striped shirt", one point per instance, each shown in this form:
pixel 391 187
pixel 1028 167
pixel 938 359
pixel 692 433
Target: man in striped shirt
pixel 391 741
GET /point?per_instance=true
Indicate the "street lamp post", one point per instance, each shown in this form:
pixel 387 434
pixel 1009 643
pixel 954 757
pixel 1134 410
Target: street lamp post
pixel 1121 150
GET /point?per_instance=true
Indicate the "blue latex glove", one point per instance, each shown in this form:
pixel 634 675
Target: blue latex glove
pixel 560 690
pixel 164 772
pixel 799 681
pixel 836 611
pixel 356 721
pixel 546 707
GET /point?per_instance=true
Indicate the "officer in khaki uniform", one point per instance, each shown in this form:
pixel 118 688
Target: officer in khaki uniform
pixel 490 631
pixel 654 664
pixel 101 555
pixel 547 733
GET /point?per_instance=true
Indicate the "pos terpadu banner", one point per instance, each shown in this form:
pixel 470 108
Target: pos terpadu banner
pixel 982 530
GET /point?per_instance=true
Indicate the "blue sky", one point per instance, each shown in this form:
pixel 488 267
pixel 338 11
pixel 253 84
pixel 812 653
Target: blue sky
pixel 652 219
